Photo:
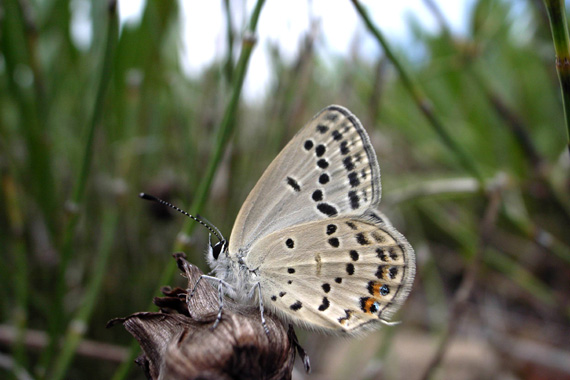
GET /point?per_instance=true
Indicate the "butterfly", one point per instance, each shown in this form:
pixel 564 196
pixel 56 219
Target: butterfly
pixel 308 242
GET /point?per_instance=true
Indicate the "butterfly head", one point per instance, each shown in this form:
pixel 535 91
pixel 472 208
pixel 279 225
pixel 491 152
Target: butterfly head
pixel 218 248
pixel 216 252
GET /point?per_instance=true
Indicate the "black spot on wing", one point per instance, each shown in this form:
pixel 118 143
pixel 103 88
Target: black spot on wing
pixel 325 305
pixel 354 255
pixel 331 229
pixel 320 150
pixel 374 307
pixel 281 294
pixel 344 150
pixel 338 280
pixel 332 116
pixel 363 302
pixel 308 145
pixel 337 135
pixel 324 178
pixel 290 243
pixel 348 313
pixel 322 128
pixel 380 272
pixel 291 270
pixel 350 269
pixel 393 272
pixel 348 164
pixel 351 225
pixel 334 242
pixel 296 306
pixel 371 287
pixel 326 287
pixel 322 163
pixel 381 254
pixel 353 179
pixel 294 184
pixel 393 254
pixel 354 199
pixel 378 237
pixel 317 195
pixel 361 239
pixel 273 298
pixel 327 209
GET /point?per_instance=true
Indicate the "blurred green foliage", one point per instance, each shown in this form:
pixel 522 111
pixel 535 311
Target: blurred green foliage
pixel 495 91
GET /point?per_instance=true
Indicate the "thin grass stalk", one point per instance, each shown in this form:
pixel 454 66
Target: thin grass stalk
pixel 421 100
pixel 39 173
pixel 31 36
pixel 516 125
pixel 78 325
pixel 224 132
pixel 463 293
pixel 229 64
pixel 518 128
pixel 559 27
pixel 496 260
pixel 227 124
pixel 20 276
pixel 57 316
pixel 521 277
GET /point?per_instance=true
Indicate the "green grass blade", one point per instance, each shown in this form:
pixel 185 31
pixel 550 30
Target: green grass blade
pixel 421 100
pixel 559 27
pixel 58 317
pixel 224 133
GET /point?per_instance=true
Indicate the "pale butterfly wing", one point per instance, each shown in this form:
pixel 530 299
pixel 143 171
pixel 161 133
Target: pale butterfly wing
pixel 341 274
pixel 328 169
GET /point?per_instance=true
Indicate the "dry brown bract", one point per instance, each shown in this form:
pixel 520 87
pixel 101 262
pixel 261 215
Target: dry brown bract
pixel 178 342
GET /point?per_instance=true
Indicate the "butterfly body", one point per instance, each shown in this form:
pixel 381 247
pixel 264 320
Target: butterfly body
pixel 309 238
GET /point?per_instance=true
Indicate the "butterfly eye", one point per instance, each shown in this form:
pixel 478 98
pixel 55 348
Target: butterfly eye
pixel 218 248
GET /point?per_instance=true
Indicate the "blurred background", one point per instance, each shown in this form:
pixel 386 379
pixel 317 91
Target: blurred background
pixel 461 99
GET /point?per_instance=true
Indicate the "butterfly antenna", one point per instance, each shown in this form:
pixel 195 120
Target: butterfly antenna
pixel 216 230
pixel 202 221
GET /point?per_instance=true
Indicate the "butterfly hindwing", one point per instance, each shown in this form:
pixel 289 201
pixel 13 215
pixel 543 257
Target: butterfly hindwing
pixel 339 274
pixel 328 169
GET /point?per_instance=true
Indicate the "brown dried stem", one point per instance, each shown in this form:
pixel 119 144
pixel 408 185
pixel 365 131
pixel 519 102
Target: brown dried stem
pixel 180 342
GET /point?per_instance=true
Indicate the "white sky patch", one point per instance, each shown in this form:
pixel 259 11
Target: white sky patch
pixel 130 11
pixel 285 24
pixel 203 34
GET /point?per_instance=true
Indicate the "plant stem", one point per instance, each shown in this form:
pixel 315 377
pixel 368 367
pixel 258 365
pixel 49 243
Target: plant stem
pixel 78 325
pixel 421 100
pixel 20 273
pixel 559 27
pixel 17 42
pixel 81 182
pixel 229 64
pixel 223 136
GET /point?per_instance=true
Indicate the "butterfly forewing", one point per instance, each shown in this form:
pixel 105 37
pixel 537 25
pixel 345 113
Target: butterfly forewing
pixel 328 169
pixel 339 274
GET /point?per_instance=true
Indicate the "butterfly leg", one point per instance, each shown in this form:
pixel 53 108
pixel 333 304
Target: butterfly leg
pixel 221 284
pixel 221 295
pixel 211 278
pixel 261 310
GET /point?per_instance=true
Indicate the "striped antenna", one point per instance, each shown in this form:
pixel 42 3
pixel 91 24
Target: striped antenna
pixel 206 224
